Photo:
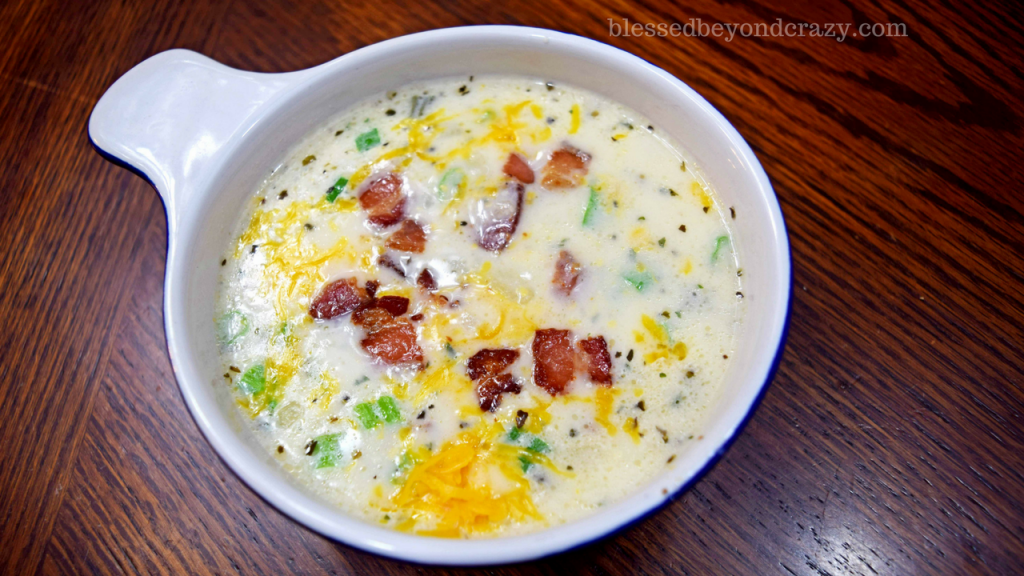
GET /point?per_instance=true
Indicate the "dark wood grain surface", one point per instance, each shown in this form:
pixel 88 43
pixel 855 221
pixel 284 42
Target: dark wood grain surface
pixel 891 441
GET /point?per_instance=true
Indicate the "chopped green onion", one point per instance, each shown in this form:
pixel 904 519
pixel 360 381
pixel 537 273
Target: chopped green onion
pixel 233 325
pixel 591 209
pixel 514 434
pixel 404 463
pixel 719 243
pixel 388 409
pixel 638 280
pixel 449 184
pixel 367 415
pixel 254 380
pixel 367 140
pixel 419 105
pixel 525 463
pixel 337 189
pixel 328 450
pixel 661 242
pixel 449 349
pixel 537 445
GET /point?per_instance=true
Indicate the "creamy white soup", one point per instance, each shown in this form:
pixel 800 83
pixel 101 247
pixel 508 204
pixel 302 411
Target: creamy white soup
pixel 480 306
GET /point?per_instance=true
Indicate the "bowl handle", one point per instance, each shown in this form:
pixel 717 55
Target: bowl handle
pixel 170 116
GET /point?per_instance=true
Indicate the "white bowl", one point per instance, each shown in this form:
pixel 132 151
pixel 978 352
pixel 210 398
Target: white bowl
pixel 205 135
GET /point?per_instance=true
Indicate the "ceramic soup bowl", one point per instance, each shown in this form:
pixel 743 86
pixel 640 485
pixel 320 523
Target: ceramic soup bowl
pixel 205 135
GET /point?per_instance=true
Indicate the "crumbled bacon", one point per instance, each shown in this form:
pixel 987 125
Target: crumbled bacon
pixel 498 216
pixel 491 388
pixel 596 359
pixel 371 288
pixel 396 305
pixel 393 342
pixel 383 200
pixel 386 261
pixel 516 167
pixel 410 237
pixel 426 281
pixel 486 368
pixel 554 361
pixel 566 168
pixel 389 339
pixel 339 298
pixel 490 362
pixel 567 273
pixel 371 317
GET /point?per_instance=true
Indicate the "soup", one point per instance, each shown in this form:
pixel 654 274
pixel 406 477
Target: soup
pixel 480 306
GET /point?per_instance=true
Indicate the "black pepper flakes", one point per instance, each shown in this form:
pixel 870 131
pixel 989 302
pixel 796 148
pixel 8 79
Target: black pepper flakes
pixel 732 212
pixel 521 416
pixel 310 447
pixel 682 227
pixel 739 294
pixel 618 354
pixel 671 458
pixel 224 262
pixel 664 434
pixel 234 369
pixel 390 112
pixel 689 373
pixel 572 432
pixel 308 226
pixel 421 415
pixel 254 247
pixel 706 208
pixel 642 405
pixel 280 449
pixel 629 355
pixel 282 195
pixel 550 86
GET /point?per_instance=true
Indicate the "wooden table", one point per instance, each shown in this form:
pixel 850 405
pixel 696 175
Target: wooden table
pixel 892 438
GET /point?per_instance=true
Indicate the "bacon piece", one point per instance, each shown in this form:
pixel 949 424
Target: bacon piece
pixel 554 361
pixel 485 368
pixel 339 298
pixel 371 317
pixel 396 305
pixel 388 339
pixel 491 388
pixel 383 200
pixel 498 216
pixel 386 261
pixel 490 362
pixel 516 167
pixel 371 288
pixel 410 237
pixel 426 281
pixel 393 342
pixel 566 168
pixel 596 359
pixel 567 273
